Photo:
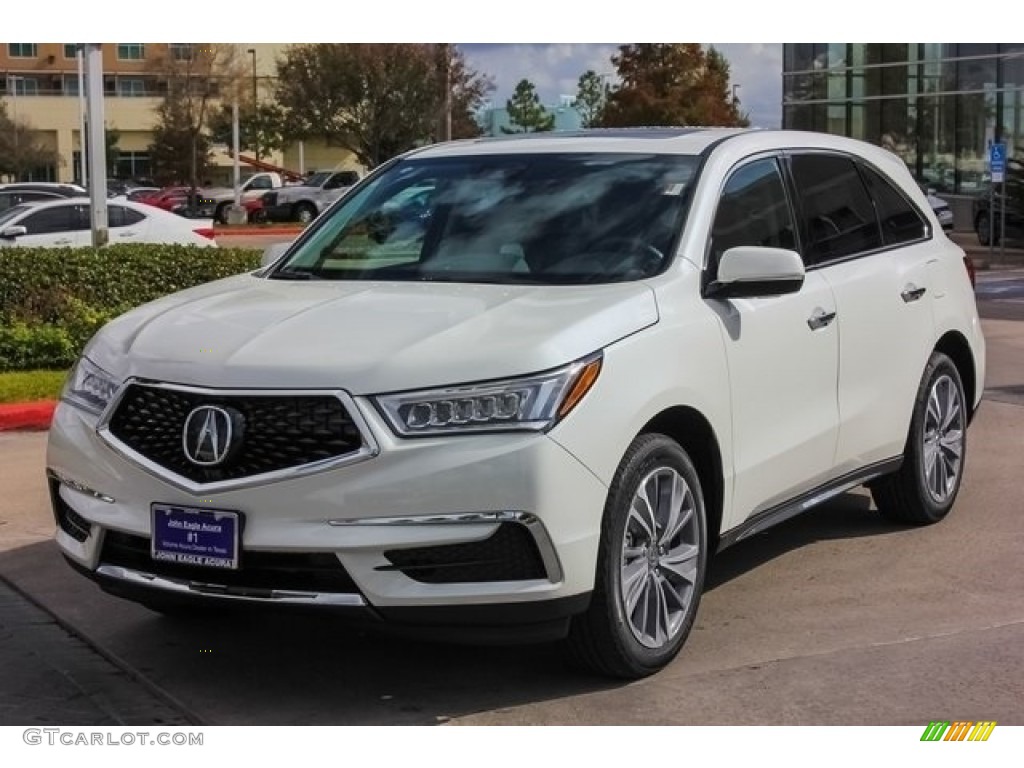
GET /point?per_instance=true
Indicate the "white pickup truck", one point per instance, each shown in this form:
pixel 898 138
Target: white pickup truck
pixel 304 202
pixel 253 188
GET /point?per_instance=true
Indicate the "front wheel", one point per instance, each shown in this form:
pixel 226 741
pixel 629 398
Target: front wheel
pixel 651 564
pixel 924 489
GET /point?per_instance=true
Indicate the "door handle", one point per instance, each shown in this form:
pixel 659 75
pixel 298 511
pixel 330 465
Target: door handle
pixel 912 293
pixel 126 234
pixel 62 242
pixel 820 318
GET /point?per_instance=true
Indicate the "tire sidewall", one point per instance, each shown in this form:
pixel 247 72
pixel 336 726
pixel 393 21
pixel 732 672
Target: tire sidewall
pixel 654 451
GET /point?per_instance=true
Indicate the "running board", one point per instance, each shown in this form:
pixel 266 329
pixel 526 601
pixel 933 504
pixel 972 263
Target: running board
pixel 764 520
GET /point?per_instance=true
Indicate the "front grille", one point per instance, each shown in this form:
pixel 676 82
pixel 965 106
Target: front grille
pixel 509 554
pixel 298 571
pixel 280 432
pixel 69 521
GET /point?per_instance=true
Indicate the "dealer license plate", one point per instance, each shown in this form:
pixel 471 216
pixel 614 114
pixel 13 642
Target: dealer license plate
pixel 191 536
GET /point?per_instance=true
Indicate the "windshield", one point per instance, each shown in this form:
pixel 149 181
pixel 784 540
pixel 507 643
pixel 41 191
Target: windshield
pixel 316 179
pixel 543 218
pixel 13 212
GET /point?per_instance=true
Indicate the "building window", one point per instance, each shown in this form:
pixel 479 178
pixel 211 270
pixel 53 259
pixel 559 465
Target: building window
pixel 181 51
pixel 133 165
pixel 131 51
pixel 131 86
pixel 70 85
pixel 20 85
pixel 22 50
pixel 70 50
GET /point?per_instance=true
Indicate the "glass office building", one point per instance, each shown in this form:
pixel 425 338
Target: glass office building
pixel 936 105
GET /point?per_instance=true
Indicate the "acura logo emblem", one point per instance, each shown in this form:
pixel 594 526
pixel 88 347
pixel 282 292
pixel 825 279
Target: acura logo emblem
pixel 211 434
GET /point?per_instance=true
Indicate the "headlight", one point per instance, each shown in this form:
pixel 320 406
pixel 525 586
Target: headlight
pixel 532 403
pixel 89 386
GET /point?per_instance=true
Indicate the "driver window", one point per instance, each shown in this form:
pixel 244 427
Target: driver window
pixel 753 210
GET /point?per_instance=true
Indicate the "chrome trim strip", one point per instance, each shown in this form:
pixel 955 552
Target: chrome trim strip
pixel 74 485
pixel 203 589
pixel 369 450
pixel 531 522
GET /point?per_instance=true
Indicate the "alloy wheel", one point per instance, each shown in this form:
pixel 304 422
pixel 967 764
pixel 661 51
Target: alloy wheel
pixel 659 558
pixel 943 436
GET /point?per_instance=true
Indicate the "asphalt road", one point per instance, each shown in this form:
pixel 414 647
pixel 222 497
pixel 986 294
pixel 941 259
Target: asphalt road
pixel 835 618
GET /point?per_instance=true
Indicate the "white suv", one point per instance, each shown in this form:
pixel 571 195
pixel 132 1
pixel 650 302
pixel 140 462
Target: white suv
pixel 528 386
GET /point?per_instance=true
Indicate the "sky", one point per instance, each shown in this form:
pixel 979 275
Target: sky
pixel 554 69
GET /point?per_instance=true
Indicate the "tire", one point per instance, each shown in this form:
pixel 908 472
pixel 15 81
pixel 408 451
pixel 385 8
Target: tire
pixel 982 225
pixel 609 638
pixel 221 214
pixel 924 489
pixel 304 213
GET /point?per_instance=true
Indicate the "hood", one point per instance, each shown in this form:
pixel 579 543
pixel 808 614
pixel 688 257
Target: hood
pixel 366 337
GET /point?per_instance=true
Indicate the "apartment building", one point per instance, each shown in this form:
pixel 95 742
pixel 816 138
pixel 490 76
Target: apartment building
pixel 39 83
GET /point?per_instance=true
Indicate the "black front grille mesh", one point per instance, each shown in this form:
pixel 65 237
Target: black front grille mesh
pixel 280 431
pixel 509 554
pixel 299 571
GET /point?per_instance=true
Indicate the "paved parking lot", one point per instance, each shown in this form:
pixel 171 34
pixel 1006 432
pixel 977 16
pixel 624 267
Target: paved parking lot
pixel 833 618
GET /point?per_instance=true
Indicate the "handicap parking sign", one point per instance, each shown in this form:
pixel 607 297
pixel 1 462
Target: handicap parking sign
pixel 997 162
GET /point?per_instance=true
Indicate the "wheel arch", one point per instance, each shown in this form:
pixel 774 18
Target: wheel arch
pixel 691 429
pixel 955 347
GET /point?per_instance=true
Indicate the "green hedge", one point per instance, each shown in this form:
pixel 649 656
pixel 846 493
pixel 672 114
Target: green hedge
pixel 52 300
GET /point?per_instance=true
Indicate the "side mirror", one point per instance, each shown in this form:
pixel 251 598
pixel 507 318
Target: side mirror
pixel 14 232
pixel 750 271
pixel 272 253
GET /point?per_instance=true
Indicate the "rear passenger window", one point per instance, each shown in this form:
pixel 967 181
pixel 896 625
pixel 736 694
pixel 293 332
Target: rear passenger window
pixel 753 210
pixel 839 217
pixel 900 221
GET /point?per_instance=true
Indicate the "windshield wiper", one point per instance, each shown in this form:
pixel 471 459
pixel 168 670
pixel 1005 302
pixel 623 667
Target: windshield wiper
pixel 294 275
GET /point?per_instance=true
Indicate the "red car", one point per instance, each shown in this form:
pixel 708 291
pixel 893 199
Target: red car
pixel 176 200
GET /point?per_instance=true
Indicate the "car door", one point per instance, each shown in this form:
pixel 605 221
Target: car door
pixel 64 225
pixel 873 247
pixel 782 353
pixel 126 225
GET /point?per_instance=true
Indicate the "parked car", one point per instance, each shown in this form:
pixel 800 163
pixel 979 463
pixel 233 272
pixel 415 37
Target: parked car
pixel 304 202
pixel 65 223
pixel 180 200
pixel 988 218
pixel 252 191
pixel 15 194
pixel 532 403
pixel 941 210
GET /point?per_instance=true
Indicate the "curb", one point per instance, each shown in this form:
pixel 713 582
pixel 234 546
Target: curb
pixel 255 231
pixel 27 416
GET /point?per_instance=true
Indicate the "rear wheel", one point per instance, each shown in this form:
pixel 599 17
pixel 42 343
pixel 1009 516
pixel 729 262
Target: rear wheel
pixel 222 213
pixel 983 226
pixel 925 487
pixel 651 564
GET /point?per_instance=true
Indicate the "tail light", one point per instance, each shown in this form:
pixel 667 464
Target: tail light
pixel 970 269
pixel 207 232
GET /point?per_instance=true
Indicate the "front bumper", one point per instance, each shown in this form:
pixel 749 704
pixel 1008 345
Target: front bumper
pixel 383 527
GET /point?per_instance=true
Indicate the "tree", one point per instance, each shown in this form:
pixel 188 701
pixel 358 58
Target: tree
pixel 671 84
pixel 525 111
pixel 263 127
pixel 591 94
pixel 375 100
pixel 180 148
pixel 22 149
